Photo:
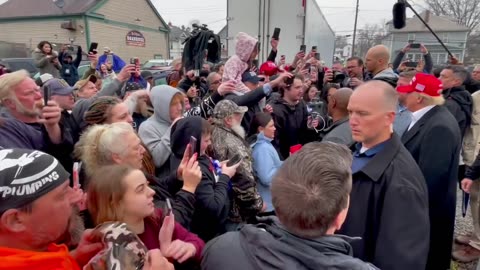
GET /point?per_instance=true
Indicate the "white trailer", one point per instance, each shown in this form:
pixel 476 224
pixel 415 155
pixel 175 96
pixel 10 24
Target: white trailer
pixel 301 22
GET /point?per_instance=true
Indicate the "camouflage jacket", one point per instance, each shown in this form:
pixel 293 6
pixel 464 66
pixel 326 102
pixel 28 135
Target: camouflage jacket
pixel 246 203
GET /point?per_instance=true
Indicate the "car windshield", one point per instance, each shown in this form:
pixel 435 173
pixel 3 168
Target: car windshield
pixel 18 65
pixel 151 64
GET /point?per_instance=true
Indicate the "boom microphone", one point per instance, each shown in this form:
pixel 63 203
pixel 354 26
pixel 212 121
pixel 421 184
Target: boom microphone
pixel 399 14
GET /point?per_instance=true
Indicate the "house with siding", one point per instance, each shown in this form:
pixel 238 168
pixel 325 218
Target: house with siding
pixel 130 28
pixel 453 35
pixel 177 37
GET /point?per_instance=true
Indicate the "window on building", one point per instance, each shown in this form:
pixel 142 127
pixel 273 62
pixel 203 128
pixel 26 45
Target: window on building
pixel 442 58
pixel 435 58
pixel 411 37
pixel 445 37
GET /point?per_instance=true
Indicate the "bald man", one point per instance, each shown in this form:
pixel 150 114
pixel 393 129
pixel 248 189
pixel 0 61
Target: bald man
pixel 339 131
pixel 376 62
pixel 389 198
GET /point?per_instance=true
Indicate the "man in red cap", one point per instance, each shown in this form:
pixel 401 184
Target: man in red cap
pixel 433 138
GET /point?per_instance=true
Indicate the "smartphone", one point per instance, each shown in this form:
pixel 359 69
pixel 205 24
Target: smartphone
pixel 93 48
pixel 303 48
pixel 234 160
pixel 196 72
pixel 317 56
pixel 135 61
pixel 276 33
pixel 110 58
pixel 75 172
pixel 412 64
pixel 193 145
pixel 415 46
pixel 169 207
pixel 46 95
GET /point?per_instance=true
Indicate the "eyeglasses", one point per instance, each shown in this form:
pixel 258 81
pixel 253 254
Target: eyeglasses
pixel 216 82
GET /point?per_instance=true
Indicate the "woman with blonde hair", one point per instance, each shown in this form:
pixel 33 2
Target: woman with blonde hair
pixel 121 193
pixel 117 143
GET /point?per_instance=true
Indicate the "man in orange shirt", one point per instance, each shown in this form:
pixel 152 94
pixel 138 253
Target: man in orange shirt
pixel 35 209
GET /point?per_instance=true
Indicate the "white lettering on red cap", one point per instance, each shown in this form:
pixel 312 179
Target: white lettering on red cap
pixel 420 87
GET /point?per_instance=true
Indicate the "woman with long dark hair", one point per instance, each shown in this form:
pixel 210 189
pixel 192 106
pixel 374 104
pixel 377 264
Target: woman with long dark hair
pixel 46 59
pixel 265 158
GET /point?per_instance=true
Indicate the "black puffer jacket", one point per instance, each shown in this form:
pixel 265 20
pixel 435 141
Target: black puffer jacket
pixel 459 102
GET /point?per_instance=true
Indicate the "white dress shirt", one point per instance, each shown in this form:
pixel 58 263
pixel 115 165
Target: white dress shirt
pixel 416 116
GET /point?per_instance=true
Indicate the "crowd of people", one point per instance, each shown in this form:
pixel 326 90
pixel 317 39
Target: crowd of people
pixel 284 165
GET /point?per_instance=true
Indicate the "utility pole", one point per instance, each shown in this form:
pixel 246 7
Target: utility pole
pixel 355 29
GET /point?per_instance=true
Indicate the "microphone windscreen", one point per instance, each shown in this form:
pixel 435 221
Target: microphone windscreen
pixel 399 15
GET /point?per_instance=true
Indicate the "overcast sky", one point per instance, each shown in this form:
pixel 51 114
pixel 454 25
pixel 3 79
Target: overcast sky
pixel 340 14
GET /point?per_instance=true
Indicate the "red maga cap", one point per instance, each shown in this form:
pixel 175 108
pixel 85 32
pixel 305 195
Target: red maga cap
pixel 423 83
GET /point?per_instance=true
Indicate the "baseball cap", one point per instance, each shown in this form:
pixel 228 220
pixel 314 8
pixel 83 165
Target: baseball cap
pixel 251 76
pixel 226 108
pixel 58 87
pixel 26 175
pixel 92 78
pixel 423 83
pixel 146 74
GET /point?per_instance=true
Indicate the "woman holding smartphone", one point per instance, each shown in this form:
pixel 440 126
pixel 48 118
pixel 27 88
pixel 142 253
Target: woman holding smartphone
pixel 212 194
pixel 46 59
pixel 121 193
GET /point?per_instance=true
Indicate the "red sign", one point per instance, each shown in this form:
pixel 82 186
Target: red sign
pixel 135 38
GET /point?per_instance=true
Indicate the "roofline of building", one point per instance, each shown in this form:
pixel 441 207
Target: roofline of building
pixel 89 13
pixel 42 17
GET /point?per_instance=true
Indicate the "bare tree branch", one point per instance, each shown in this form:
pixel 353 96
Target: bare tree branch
pixel 465 12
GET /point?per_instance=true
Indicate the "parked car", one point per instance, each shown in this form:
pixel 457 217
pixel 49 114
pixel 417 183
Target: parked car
pixel 15 64
pixel 160 77
pixel 157 64
pixel 81 70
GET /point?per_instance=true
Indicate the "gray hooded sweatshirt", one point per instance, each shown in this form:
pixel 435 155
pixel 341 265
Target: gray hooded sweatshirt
pixel 155 131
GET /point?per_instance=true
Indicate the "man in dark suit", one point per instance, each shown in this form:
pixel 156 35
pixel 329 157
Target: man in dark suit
pixel 389 198
pixel 433 138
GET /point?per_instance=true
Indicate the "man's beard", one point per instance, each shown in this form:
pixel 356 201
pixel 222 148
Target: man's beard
pixel 35 112
pixel 239 130
pixel 74 231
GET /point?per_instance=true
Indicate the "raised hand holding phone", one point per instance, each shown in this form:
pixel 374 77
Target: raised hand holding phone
pixel 229 167
pixel 166 233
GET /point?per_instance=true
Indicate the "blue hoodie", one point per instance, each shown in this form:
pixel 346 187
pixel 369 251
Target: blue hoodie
pixel 265 164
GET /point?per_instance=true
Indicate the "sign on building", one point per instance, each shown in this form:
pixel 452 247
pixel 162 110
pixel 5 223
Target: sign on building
pixel 135 38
